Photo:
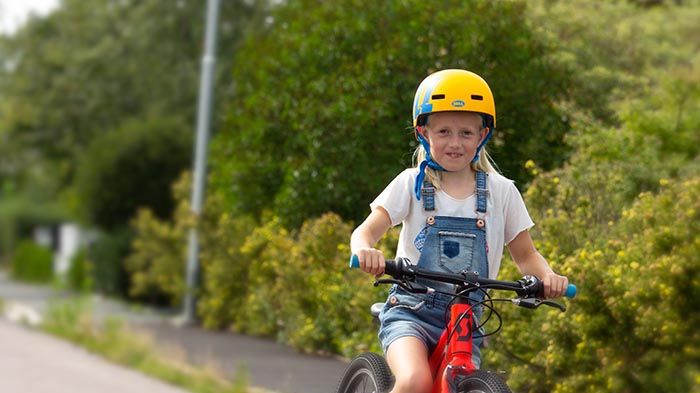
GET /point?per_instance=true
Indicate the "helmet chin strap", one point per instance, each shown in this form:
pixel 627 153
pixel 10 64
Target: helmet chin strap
pixel 428 162
pixel 478 149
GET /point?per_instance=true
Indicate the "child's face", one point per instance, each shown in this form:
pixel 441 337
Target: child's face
pixel 454 138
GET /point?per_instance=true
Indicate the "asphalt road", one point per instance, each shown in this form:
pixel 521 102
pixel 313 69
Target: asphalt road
pixel 32 362
pixel 269 365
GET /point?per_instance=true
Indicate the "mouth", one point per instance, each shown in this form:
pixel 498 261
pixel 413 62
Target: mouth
pixel 454 155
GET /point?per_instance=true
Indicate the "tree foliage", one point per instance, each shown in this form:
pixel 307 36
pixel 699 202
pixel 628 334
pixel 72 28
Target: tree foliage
pixel 613 48
pixel 87 67
pixel 320 119
pixel 132 167
pixel 623 204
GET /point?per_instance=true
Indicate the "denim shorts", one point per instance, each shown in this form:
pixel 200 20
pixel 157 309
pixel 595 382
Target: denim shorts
pixel 417 315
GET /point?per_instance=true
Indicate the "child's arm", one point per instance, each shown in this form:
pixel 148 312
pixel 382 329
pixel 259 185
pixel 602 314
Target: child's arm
pixel 366 236
pixel 531 262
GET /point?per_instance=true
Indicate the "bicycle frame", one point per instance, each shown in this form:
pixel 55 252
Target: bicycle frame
pixel 453 358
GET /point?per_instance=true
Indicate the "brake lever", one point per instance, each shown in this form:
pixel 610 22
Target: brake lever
pixel 532 302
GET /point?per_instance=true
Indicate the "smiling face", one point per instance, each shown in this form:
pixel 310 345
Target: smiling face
pixel 454 138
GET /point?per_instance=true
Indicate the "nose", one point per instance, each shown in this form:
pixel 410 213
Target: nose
pixel 453 141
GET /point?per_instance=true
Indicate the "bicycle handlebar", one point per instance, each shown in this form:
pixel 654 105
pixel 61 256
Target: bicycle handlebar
pixel 401 269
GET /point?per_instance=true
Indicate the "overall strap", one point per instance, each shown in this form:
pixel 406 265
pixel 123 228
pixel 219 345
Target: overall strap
pixel 482 192
pixel 428 193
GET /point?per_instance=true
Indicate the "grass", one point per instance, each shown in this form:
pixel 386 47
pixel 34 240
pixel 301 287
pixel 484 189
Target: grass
pixel 72 320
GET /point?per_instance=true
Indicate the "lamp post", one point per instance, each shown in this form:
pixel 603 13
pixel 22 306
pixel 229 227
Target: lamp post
pixel 200 155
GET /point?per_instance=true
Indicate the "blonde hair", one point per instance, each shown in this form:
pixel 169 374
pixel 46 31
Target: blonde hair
pixel 484 164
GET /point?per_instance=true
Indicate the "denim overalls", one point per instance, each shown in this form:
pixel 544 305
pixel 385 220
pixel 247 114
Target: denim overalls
pixel 449 244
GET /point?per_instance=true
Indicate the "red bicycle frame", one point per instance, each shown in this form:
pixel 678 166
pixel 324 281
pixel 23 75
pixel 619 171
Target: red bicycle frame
pixel 453 358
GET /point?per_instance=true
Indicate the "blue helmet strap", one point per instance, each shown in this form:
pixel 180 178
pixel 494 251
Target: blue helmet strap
pixel 478 149
pixel 428 162
pixel 487 121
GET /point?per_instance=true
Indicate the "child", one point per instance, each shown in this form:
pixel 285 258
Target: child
pixel 457 213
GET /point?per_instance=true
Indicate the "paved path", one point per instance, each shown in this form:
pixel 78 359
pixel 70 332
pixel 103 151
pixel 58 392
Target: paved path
pixel 32 362
pixel 269 365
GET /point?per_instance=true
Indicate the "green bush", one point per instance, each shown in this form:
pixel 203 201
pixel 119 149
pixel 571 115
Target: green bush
pixel 225 269
pixel 156 263
pixel 19 215
pixel 632 327
pixel 611 166
pixel 32 262
pixel 300 290
pixel 630 251
pixel 264 279
pixel 79 275
pixel 106 258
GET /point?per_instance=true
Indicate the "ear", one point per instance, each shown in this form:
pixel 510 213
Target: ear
pixel 423 131
pixel 484 133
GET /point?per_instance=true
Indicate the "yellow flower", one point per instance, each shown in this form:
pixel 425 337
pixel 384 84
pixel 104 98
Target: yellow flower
pixel 529 164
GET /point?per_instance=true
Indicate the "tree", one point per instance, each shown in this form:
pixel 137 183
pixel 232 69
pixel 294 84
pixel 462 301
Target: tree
pixel 71 76
pixel 132 167
pixel 320 118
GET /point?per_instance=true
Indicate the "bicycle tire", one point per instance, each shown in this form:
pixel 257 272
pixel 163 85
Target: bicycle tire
pixel 367 372
pixel 483 382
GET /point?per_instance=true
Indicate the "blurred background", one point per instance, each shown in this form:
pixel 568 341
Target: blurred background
pixel 599 124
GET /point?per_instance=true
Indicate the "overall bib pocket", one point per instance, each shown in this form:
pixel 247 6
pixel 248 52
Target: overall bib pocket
pixel 456 250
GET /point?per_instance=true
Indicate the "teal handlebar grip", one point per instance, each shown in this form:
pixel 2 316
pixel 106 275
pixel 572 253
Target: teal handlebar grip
pixel 355 263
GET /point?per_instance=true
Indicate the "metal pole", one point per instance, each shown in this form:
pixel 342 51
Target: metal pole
pixel 200 158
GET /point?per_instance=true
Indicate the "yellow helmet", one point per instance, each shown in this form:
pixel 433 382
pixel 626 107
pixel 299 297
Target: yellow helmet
pixel 453 90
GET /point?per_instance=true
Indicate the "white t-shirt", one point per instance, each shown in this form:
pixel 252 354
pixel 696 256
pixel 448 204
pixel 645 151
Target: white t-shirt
pixel 506 214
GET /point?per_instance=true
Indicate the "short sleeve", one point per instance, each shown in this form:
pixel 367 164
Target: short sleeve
pixel 516 216
pixel 396 197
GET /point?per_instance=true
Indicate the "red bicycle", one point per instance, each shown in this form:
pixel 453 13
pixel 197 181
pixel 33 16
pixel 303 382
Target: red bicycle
pixel 450 361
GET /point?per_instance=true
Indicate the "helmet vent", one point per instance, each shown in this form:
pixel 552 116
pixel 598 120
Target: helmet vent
pixel 477 97
pixel 438 96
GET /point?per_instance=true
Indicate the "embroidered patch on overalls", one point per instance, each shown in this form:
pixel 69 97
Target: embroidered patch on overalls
pixel 420 239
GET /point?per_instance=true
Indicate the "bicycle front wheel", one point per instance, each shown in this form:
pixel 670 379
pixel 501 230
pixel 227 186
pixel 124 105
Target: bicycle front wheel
pixel 483 382
pixel 367 373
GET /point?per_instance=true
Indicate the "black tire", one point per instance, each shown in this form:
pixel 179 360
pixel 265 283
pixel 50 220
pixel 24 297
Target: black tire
pixel 483 382
pixel 367 373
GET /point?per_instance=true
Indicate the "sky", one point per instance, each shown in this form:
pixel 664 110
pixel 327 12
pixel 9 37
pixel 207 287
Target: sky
pixel 15 12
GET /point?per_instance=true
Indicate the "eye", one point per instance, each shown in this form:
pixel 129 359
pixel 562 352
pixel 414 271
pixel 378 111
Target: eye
pixel 466 133
pixel 443 131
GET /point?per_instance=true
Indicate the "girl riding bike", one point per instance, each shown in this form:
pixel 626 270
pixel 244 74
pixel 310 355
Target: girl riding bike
pixel 457 214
